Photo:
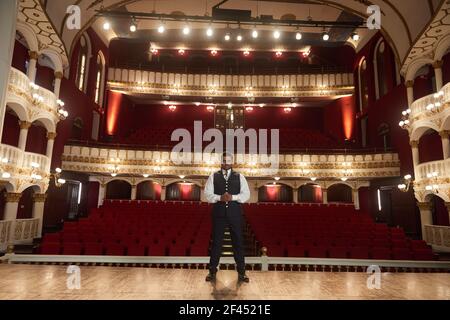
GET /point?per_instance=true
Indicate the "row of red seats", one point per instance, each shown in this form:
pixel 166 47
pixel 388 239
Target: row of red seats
pixel 359 252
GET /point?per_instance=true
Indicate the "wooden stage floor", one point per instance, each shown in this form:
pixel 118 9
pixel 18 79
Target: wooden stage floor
pixel 50 282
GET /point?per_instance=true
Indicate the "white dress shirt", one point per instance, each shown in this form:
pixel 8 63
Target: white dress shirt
pixel 242 197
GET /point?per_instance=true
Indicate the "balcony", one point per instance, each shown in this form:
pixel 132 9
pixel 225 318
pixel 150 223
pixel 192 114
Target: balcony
pixel 35 102
pixel 221 85
pixel 101 160
pixel 438 237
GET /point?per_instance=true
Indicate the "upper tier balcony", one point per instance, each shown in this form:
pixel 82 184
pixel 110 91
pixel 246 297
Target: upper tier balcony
pixel 226 85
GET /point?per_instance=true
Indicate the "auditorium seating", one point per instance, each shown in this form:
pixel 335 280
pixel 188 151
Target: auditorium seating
pixel 329 231
pixel 146 228
pixel 289 138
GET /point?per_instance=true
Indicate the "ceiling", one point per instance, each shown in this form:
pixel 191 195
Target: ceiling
pixel 402 22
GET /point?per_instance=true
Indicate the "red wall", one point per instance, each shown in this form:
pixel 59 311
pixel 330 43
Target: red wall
pixel 20 56
pixel 11 130
pixel 119 114
pixel 430 147
pixel 446 68
pixel 36 140
pixel 340 118
pixel 45 77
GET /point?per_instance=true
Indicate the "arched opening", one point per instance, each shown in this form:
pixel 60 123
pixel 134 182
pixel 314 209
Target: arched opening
pixel 118 189
pixel 363 85
pixel 45 73
pixel 424 82
pixel 21 58
pixel 439 210
pixel 11 128
pixel 339 193
pixel 77 129
pixel 37 138
pixel 82 66
pixel 100 79
pixel 385 68
pixel 311 193
pixel 185 191
pixel 430 147
pixel 275 193
pixel 25 208
pixel 148 190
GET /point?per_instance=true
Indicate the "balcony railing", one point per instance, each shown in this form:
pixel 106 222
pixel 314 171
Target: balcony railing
pixel 320 84
pixel 20 231
pixel 17 158
pixel 438 237
pixel 441 167
pixel 419 106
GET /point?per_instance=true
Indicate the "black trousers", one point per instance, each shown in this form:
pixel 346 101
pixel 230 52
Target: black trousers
pixel 220 220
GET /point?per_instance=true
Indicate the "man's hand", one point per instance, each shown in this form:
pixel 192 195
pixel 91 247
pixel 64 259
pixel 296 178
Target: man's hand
pixel 226 197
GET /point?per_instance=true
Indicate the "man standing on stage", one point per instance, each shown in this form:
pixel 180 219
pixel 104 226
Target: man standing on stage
pixel 227 189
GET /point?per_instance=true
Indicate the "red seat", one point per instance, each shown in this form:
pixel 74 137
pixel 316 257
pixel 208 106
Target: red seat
pixel 51 237
pixel 93 249
pixel 136 250
pixel 296 251
pixel 381 253
pixel 275 250
pixel 423 254
pixel 71 249
pixel 337 252
pixel 401 254
pixel 50 248
pixel 198 250
pixel 359 253
pixel 317 252
pixel 177 250
pixel 156 249
pixel 114 249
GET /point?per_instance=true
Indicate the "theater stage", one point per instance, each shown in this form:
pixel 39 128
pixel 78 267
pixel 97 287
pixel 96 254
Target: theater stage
pixel 50 282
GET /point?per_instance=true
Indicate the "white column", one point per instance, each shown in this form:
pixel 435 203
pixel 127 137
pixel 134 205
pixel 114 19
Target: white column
pixel 437 65
pixel 426 216
pixel 415 156
pixel 324 195
pixel 38 210
pixel 133 192
pixel 202 195
pixel 8 17
pixel 51 136
pixel 445 143
pixel 410 92
pixel 32 65
pixel 356 198
pixel 10 214
pixel 163 193
pixel 58 78
pixel 295 195
pixel 24 126
pixel 101 194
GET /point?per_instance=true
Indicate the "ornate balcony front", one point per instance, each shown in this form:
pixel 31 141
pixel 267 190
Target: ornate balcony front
pixel 215 85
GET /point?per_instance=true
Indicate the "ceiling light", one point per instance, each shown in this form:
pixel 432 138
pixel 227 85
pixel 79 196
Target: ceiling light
pixel 255 34
pixel 287 110
pixel 344 179
pixel 249 108
pixel 261 105
pixel 210 108
pixel 276 34
pixel 186 30
pixel 161 28
pixel 154 50
pixel 209 32
pixel 172 107
pixel 197 103
pixel 230 105
pixel 145 175
pixel 227 37
pixel 313 178
pixel 106 25
pixel 133 27
pixel 246 53
pixel 325 36
pixel 181 52
pixel 6 175
pixel 298 36
pixel 213 52
pixel 278 54
pixel 355 36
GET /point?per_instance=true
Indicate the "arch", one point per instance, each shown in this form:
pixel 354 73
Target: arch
pixel 415 66
pixel 100 79
pixel 442 48
pixel 275 192
pixel 148 190
pixel 376 72
pixel 172 181
pixel 183 190
pixel 118 189
pixel 28 33
pixel 48 124
pixel 446 123
pixel 8 186
pixel 37 138
pixel 25 207
pixel 340 192
pixel 55 58
pixel 18 108
pixel 83 62
pixel 430 146
pixel 363 92
pixel 310 192
pixel 333 183
pixel 36 188
pixel 418 132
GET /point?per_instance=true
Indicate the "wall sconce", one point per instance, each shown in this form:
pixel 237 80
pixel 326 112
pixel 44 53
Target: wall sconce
pixel 35 177
pixel 433 176
pixel 313 178
pixel 63 114
pixel 37 98
pixel 404 124
pixel 434 107
pixel 114 168
pixel 57 176
pixel 5 174
pixel 404 187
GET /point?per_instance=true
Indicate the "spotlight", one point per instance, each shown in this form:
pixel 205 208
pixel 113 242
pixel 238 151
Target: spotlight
pixel 287 110
pixel 276 34
pixel 181 52
pixel 239 37
pixel 186 30
pixel 298 36
pixel 161 28
pixel 172 108
pixel 214 53
pixel 255 34
pixel 261 105
pixel 325 36
pixel 246 53
pixel 227 37
pixel 210 108
pixel 355 36
pixel 209 32
pixel 278 54
pixel 249 108
pixel 133 27
pixel 106 25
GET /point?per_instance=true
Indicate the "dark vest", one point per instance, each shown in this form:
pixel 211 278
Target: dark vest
pixel 233 187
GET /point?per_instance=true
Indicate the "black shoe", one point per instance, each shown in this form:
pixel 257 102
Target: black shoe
pixel 210 277
pixel 243 278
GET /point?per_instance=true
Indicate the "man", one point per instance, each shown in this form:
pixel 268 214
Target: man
pixel 227 189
